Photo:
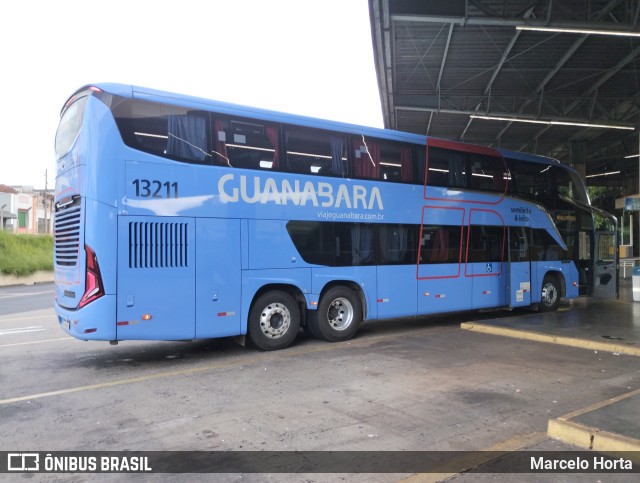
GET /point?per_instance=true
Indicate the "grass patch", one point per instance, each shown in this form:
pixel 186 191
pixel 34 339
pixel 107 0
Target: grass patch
pixel 23 255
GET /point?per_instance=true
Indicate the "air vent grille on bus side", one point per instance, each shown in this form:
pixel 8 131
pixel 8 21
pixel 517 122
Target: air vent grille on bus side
pixel 157 245
pixel 67 233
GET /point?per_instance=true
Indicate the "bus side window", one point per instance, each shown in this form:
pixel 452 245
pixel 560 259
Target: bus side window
pixel 366 158
pixel 485 243
pixel 396 244
pixel 518 244
pixel 314 240
pixel 187 137
pixel 545 247
pixel 396 162
pixel 530 179
pixel 378 159
pixel 316 152
pixel 437 168
pixel 488 173
pixel 446 168
pixel 440 244
pixel 250 145
pixel 168 131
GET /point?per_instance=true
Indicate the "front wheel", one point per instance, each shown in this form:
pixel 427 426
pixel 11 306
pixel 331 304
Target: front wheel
pixel 550 298
pixel 274 320
pixel 338 316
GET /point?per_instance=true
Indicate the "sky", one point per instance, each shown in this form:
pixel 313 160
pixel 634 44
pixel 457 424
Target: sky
pixel 310 58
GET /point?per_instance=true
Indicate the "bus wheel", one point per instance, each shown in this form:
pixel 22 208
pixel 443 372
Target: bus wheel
pixel 338 316
pixel 274 321
pixel 550 294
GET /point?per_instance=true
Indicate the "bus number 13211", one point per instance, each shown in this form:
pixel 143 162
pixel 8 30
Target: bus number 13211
pixel 155 189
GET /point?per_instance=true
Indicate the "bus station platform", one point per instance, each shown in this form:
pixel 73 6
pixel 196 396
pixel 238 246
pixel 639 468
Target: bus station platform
pixel 599 325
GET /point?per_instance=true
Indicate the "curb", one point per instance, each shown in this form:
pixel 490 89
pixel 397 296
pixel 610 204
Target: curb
pixel 592 438
pixel 552 339
pixel 38 277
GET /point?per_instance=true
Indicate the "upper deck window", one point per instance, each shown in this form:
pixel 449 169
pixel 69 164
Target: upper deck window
pixel 246 144
pixel 379 159
pixel 543 182
pixel 165 130
pixel 222 139
pixel 316 152
pixel 460 169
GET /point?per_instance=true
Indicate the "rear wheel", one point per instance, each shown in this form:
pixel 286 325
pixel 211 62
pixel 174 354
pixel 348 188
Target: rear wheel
pixel 274 320
pixel 338 316
pixel 550 297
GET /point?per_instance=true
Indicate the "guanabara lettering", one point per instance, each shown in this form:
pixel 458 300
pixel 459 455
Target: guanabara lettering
pixel 254 189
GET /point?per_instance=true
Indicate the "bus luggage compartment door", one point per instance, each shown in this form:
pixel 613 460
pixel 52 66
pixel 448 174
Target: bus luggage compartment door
pixel 218 278
pixel 156 278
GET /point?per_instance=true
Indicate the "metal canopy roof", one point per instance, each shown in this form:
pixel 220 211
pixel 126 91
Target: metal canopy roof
pixel 440 61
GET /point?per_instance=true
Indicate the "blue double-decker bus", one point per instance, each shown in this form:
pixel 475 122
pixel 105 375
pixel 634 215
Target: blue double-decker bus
pixel 180 218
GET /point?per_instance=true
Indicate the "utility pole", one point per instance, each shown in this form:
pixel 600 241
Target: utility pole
pixel 44 202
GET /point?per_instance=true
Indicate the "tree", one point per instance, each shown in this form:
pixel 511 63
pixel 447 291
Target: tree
pixel 604 197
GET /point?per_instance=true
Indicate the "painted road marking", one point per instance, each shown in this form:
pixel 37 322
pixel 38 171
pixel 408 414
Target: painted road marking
pixel 22 330
pixel 36 317
pixel 36 342
pixel 13 295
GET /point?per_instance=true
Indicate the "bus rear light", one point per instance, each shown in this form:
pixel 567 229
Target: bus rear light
pixel 90 331
pixel 94 289
pixel 69 102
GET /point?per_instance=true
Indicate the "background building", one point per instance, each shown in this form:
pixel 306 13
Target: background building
pixel 25 210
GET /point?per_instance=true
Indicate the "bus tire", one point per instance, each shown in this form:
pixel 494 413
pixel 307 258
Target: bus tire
pixel 550 297
pixel 338 315
pixel 274 320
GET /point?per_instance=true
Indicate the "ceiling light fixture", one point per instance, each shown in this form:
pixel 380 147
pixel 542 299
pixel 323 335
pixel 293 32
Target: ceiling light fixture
pixel 632 156
pixel 553 123
pixel 602 174
pixel 568 30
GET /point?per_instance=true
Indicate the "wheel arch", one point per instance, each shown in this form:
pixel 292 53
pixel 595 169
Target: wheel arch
pixel 289 288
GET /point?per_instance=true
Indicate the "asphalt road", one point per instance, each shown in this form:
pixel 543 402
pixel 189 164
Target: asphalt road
pixel 407 384
pixel 25 298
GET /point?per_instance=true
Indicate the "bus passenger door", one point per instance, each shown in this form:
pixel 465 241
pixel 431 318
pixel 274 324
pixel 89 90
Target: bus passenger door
pixel 485 259
pixel 605 275
pixel 218 277
pixel 156 278
pixel 518 268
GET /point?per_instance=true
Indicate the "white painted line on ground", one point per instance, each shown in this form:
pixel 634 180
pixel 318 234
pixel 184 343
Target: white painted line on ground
pixel 48 316
pixel 36 342
pixel 22 330
pixel 13 295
